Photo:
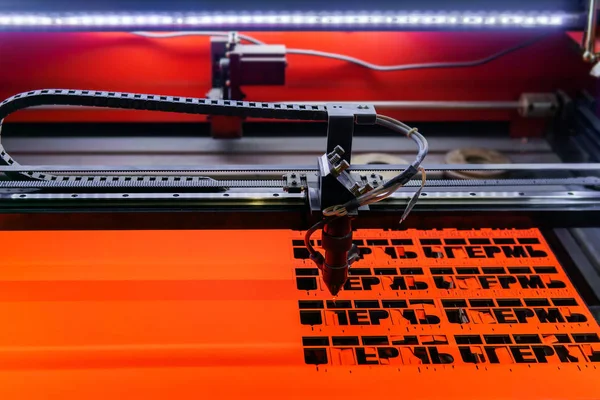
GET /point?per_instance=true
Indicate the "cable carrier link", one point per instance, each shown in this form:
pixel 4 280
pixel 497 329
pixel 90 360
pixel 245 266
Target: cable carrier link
pixel 148 102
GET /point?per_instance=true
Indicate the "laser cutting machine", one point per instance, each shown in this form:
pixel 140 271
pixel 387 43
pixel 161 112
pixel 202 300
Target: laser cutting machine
pixel 306 199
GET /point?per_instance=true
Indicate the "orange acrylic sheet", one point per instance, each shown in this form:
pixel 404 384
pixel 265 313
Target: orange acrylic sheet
pixel 243 314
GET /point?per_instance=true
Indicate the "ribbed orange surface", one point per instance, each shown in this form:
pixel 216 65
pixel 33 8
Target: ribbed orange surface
pixel 239 314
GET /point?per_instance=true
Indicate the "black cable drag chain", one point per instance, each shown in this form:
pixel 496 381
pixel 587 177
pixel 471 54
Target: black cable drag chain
pixel 149 102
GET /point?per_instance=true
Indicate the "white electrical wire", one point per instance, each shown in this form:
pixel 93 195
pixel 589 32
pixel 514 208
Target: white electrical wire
pixel 168 35
pixel 406 67
pixel 353 60
pixel 395 183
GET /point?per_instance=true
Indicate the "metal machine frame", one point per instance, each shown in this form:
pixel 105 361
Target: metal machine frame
pixel 565 192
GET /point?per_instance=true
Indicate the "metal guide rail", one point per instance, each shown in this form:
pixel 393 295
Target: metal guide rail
pixel 565 167
pixel 64 189
pixel 153 186
pixel 191 182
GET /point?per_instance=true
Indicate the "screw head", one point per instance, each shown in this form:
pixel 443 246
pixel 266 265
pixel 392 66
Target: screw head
pixel 589 57
pixel 335 159
pixel 343 165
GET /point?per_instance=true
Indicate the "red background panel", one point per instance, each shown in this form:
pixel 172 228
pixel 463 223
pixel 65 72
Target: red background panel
pixel 180 66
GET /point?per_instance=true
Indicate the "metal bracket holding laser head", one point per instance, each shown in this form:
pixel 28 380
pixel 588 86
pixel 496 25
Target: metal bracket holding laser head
pixel 336 184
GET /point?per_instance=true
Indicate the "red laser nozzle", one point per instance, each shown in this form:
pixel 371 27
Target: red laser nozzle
pixel 337 243
pixel 334 278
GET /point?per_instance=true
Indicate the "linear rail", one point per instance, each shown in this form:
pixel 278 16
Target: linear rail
pixel 151 182
pixel 183 170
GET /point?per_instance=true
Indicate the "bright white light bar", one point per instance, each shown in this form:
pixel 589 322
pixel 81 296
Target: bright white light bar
pixel 316 20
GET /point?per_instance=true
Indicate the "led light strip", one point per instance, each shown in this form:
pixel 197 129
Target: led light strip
pixel 192 21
